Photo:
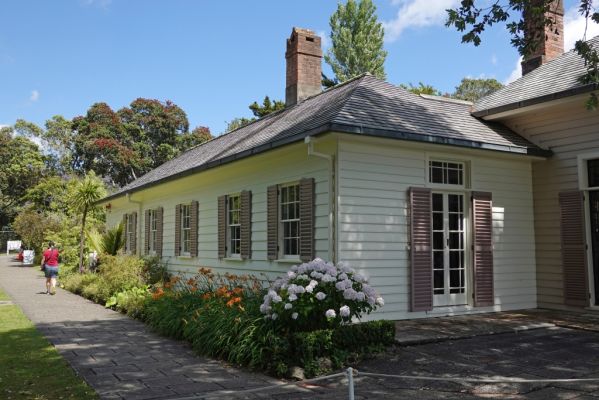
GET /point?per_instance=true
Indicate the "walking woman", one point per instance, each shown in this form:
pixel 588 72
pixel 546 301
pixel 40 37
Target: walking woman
pixel 50 267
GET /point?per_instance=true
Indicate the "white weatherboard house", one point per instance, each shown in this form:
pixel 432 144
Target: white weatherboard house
pixel 435 204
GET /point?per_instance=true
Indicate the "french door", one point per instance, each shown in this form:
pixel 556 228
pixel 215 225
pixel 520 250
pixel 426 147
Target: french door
pixel 449 255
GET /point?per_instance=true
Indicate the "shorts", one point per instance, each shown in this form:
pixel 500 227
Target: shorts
pixel 51 271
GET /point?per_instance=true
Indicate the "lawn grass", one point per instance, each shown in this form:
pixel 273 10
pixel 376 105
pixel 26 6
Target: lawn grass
pixel 30 367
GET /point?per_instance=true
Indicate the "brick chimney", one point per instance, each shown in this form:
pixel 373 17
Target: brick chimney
pixel 549 38
pixel 304 70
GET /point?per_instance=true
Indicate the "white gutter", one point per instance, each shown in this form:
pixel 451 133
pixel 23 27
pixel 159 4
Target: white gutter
pixel 309 140
pixel 137 224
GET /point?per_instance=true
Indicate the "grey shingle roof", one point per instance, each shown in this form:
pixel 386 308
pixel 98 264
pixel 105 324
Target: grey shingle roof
pixel 558 77
pixel 366 106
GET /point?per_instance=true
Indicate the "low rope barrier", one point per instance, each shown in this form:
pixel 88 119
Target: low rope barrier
pixel 350 373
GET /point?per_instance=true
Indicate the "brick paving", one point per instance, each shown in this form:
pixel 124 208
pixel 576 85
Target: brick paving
pixel 121 359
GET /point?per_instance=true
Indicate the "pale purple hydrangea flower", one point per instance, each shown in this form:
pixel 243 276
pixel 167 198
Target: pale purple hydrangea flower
pixel 294 315
pixel 320 296
pixel 291 274
pixel 340 285
pixel 330 313
pixel 380 302
pixel 274 316
pixel 288 306
pixel 303 277
pixel 342 276
pixel 360 296
pixel 328 278
pixel 344 311
pixel 292 297
pixel 349 294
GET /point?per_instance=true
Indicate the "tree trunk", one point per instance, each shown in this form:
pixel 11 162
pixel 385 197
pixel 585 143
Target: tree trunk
pixel 82 239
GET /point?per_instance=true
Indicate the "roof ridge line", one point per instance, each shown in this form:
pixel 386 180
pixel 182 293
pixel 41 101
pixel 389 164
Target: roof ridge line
pixel 350 94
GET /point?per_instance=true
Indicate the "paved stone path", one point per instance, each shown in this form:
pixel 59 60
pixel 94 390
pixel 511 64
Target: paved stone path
pixel 121 359
pixel 118 356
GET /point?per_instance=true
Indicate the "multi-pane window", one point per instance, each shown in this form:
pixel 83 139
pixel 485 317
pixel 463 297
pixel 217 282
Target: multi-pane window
pixel 447 173
pixel 290 219
pixel 130 233
pixel 185 229
pixel 153 231
pixel 234 224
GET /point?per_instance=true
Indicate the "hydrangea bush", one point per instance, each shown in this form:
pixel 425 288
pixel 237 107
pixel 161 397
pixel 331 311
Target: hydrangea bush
pixel 318 295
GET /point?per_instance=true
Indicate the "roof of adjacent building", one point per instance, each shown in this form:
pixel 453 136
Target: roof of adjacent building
pixel 556 79
pixel 364 106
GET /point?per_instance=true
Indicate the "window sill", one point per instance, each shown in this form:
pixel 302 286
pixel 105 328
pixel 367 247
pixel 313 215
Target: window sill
pixel 233 259
pixel 185 256
pixel 289 260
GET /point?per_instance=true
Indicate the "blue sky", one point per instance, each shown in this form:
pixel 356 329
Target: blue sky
pixel 212 58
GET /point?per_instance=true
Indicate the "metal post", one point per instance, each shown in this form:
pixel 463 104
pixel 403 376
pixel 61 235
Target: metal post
pixel 350 382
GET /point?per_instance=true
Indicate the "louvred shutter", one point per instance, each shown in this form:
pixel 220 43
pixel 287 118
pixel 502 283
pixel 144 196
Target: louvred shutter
pixel 482 239
pixel 272 222
pixel 222 226
pixel 147 230
pixel 134 236
pixel 306 195
pixel 159 230
pixel 126 230
pixel 193 234
pixel 178 230
pixel 246 224
pixel 573 243
pixel 421 249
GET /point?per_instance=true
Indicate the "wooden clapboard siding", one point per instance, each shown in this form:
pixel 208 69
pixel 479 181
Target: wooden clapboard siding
pixel 568 130
pixel 255 174
pixel 374 178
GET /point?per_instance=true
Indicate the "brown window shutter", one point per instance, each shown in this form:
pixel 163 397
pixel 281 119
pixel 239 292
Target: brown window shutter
pixel 421 254
pixel 147 230
pixel 272 222
pixel 222 226
pixel 178 230
pixel 246 224
pixel 125 231
pixel 482 240
pixel 306 195
pixel 134 241
pixel 193 234
pixel 574 260
pixel 159 230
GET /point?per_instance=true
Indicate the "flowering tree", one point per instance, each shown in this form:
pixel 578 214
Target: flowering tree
pixel 319 295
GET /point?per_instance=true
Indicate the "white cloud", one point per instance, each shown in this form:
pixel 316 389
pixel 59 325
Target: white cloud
pixel 417 14
pixel 97 3
pixel 325 40
pixel 35 96
pixel 574 28
pixel 516 72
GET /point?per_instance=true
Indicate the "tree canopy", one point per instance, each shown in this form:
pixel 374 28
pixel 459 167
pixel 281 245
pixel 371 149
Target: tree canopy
pixel 356 42
pixel 472 89
pixel 259 110
pixel 472 18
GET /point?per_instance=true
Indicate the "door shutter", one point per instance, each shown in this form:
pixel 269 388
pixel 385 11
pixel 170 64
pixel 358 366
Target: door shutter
pixel 178 230
pixel 306 195
pixel 421 253
pixel 246 224
pixel 193 234
pixel 573 243
pixel 147 230
pixel 134 236
pixel 272 222
pixel 159 230
pixel 222 226
pixel 482 240
pixel 126 232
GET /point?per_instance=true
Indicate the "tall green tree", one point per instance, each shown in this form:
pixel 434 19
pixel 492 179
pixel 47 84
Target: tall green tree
pixel 473 17
pixel 421 88
pixel 259 110
pixel 357 41
pixel 22 166
pixel 471 89
pixel 87 192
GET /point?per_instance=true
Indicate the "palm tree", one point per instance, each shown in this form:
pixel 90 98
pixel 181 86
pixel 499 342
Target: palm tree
pixel 87 192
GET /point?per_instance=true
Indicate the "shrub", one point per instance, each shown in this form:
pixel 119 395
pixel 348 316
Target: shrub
pixel 154 271
pixel 77 282
pixel 119 273
pixel 319 295
pixel 130 301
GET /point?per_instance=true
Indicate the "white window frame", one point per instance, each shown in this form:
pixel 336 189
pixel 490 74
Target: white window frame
pixel 445 162
pixel 153 234
pixel 233 227
pixel 283 222
pixel 185 230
